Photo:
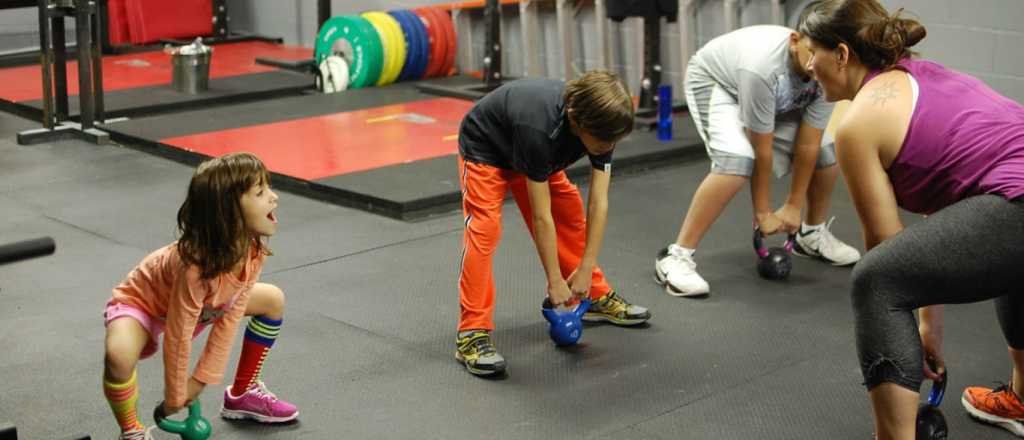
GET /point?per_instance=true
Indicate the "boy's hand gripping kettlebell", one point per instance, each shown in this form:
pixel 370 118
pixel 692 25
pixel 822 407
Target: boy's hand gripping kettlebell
pixel 773 263
pixel 566 327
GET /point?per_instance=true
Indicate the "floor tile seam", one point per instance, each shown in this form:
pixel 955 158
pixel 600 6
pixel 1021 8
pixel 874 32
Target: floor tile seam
pixel 363 251
pixel 85 230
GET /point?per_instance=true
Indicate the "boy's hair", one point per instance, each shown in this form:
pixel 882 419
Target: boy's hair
pixel 877 38
pixel 600 104
pixel 213 235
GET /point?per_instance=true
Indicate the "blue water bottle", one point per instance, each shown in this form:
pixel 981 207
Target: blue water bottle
pixel 665 113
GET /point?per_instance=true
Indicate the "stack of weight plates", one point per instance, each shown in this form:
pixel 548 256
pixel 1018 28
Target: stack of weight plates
pixel 417 42
pixel 381 48
pixel 441 33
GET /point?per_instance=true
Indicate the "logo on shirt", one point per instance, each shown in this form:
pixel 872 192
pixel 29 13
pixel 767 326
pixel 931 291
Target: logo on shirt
pixel 792 95
pixel 608 168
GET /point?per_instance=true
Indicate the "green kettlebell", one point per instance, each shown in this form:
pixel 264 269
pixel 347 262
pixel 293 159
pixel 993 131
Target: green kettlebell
pixel 194 427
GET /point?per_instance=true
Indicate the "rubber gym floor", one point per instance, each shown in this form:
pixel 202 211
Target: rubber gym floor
pixel 366 349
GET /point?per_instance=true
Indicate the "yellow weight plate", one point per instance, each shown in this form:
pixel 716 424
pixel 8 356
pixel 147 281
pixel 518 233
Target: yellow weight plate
pixel 394 45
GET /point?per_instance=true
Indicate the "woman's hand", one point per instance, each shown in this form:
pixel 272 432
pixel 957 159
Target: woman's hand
pixel 931 343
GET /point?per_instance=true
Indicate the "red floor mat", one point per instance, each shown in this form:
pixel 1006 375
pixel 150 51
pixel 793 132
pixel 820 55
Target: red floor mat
pixel 128 71
pixel 331 145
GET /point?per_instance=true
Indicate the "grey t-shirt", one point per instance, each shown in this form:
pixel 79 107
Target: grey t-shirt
pixel 753 65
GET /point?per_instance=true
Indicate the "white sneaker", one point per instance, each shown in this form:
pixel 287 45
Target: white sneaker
pixel 677 271
pixel 821 244
pixel 142 434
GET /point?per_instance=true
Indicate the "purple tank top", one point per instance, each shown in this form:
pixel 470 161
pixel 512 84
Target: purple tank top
pixel 964 140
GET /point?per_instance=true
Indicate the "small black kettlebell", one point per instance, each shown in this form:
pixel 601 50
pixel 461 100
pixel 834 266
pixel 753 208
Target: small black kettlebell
pixel 773 263
pixel 931 424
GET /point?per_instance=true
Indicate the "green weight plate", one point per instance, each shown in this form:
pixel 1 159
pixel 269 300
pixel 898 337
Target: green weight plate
pixel 355 40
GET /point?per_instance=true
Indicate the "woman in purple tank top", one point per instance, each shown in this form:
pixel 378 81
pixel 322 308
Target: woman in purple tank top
pixel 929 140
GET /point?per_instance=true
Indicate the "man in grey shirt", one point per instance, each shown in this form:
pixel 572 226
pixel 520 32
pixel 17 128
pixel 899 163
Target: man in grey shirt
pixel 759 113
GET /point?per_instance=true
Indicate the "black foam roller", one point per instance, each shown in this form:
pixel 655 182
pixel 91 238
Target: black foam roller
pixel 23 250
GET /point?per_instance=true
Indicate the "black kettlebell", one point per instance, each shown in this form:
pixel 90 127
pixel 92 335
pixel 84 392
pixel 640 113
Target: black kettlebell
pixel 931 424
pixel 773 263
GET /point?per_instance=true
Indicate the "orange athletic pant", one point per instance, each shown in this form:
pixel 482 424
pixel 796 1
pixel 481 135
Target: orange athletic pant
pixel 483 192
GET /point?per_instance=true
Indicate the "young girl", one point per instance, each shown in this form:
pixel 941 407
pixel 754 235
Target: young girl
pixel 207 277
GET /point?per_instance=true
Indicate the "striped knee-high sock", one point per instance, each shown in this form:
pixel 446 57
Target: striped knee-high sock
pixel 122 398
pixel 259 337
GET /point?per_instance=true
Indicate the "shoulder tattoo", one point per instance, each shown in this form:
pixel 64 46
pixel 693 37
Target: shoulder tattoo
pixel 883 94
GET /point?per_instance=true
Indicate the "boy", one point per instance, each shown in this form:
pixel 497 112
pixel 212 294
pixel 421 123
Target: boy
pixel 521 137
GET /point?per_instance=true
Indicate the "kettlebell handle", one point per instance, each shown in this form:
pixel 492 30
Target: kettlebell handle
pixel 938 390
pixel 762 250
pixel 582 307
pixel 551 315
pixel 175 426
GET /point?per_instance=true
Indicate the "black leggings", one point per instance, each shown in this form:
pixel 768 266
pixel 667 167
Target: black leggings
pixel 970 251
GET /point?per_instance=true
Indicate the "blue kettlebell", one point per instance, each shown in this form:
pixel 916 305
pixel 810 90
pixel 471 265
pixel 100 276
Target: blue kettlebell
pixel 194 427
pixel 773 263
pixel 931 424
pixel 566 327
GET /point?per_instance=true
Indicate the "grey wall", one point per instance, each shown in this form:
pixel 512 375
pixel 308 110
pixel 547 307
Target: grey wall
pixel 19 29
pixel 982 37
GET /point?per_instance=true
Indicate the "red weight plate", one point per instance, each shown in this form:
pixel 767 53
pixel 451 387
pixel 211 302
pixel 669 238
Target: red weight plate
pixel 437 42
pixel 451 49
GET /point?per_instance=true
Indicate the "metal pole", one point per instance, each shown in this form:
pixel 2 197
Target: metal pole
pixel 777 13
pixel 103 33
pixel 492 43
pixel 652 61
pixel 323 13
pixel 604 50
pixel 220 18
pixel 687 35
pixel 46 63
pixel 83 35
pixel 529 25
pixel 97 24
pixel 562 17
pixel 730 14
pixel 60 68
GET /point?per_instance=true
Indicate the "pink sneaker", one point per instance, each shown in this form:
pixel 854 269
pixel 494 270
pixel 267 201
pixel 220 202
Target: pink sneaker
pixel 258 404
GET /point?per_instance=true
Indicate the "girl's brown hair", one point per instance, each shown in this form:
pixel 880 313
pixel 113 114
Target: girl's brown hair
pixel 213 235
pixel 600 104
pixel 878 39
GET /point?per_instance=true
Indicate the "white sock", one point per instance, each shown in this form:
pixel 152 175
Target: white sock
pixel 686 250
pixel 807 229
